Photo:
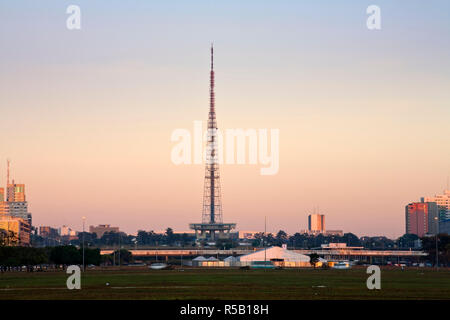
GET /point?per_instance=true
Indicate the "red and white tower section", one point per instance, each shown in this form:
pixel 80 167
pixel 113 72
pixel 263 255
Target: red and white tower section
pixel 212 226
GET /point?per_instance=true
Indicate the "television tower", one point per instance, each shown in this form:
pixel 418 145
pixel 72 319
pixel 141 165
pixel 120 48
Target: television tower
pixel 212 220
pixel 212 202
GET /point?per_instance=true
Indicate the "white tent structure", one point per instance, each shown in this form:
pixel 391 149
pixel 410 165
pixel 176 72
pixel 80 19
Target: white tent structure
pixel 231 259
pixel 212 259
pixel 199 258
pixel 278 256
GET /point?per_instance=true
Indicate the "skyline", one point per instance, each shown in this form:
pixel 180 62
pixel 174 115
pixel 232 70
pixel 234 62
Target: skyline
pixel 315 210
pixel 363 116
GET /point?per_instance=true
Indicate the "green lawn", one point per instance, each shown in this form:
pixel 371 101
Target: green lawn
pixel 228 284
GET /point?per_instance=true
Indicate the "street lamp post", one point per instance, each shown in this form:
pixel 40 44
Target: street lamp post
pixel 437 251
pixel 120 246
pixel 84 218
pixel 264 244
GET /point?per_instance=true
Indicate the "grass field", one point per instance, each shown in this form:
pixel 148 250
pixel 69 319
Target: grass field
pixel 144 283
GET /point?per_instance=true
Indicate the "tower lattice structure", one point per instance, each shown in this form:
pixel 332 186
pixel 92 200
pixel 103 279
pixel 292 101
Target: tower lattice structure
pixel 212 201
pixel 212 226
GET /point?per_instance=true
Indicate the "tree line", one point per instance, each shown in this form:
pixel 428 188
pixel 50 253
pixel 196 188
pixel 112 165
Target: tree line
pixel 143 238
pixel 309 241
pixel 61 255
pixel 11 256
pixel 169 238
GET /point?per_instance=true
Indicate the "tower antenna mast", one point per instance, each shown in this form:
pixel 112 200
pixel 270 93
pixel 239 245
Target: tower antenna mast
pixel 7 171
pixel 212 225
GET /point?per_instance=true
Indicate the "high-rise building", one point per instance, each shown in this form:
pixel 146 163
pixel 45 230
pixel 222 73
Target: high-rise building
pixel 17 231
pixel 19 210
pixel 15 205
pixel 14 213
pixel 101 229
pixel 66 231
pixel 316 223
pixel 67 234
pixel 443 201
pixel 48 232
pixel 421 218
pixel 15 192
pixel 4 208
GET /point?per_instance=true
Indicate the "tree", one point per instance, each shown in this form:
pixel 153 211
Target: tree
pixel 32 256
pixel 143 238
pixel 299 240
pixel 19 256
pixel 281 238
pixel 407 240
pixel 379 243
pixel 111 238
pixel 351 240
pixel 186 239
pixel 170 238
pixel 92 256
pixel 429 246
pixel 225 243
pixel 258 239
pixel 313 259
pixel 65 255
pixel 125 256
pixel 269 240
pixel 262 239
pixel 89 238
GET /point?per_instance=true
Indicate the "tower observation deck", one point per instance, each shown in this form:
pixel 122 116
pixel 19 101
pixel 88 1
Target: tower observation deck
pixel 212 226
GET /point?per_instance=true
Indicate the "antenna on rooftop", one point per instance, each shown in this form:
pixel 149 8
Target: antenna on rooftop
pixel 7 171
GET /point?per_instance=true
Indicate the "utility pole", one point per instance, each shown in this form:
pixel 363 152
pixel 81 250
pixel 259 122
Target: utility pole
pixel 84 218
pixel 437 251
pixel 120 237
pixel 7 171
pixel 264 244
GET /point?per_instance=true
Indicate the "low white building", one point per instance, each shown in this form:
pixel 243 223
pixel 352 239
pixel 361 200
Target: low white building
pixel 231 259
pixel 276 254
